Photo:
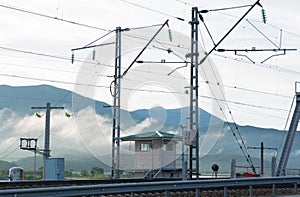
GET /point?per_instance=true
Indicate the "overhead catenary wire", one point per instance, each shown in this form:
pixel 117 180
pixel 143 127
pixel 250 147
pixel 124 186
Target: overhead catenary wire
pixel 238 136
pixel 286 123
pixel 51 17
pixel 8 147
pixel 266 37
pixel 10 153
pixel 242 143
pixel 137 5
pixel 149 9
pixel 267 66
pixel 140 90
pixel 222 9
pixel 151 72
pixel 258 64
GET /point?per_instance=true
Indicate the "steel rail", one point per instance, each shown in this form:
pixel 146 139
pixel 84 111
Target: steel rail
pixel 104 189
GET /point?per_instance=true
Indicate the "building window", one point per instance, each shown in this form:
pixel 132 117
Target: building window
pixel 167 146
pixel 145 147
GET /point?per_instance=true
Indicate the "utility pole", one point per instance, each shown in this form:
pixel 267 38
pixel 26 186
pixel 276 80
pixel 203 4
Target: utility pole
pixel 115 171
pixel 46 151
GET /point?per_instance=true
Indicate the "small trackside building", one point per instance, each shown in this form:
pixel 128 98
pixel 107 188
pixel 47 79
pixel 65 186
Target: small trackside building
pixel 155 154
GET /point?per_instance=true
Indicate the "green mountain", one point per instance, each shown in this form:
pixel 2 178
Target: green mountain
pixel 75 162
pixel 6 165
pixel 20 100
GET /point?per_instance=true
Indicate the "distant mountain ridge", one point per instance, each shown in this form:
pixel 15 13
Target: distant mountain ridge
pixel 21 99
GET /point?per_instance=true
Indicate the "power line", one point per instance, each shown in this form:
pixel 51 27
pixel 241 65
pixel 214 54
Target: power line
pixel 145 71
pixel 184 2
pixel 141 90
pixel 10 153
pixel 266 66
pixel 238 139
pixel 246 104
pixel 247 89
pixel 137 5
pixel 5 150
pixel 51 17
pixel 34 53
pixel 152 10
pixel 53 56
pixel 234 16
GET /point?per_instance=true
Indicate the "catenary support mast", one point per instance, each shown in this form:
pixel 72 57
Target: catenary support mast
pixel 115 171
pixel 194 112
pixel 290 137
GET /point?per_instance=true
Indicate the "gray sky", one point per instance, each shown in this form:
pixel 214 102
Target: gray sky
pixel 253 102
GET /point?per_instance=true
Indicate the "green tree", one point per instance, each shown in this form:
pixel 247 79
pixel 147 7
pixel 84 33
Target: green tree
pixel 3 174
pixel 96 171
pixel 84 173
pixel 68 173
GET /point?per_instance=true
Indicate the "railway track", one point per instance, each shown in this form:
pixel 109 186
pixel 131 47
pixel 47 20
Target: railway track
pixel 60 183
pixel 270 186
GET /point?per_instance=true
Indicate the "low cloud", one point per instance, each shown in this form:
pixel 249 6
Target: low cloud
pixel 144 125
pixel 84 131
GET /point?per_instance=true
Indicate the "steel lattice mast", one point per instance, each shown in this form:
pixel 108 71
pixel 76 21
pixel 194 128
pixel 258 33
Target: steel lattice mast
pixel 115 172
pixel 290 137
pixel 194 112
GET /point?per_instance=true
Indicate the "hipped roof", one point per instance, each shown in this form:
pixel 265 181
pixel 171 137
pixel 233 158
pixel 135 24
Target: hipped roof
pixel 150 135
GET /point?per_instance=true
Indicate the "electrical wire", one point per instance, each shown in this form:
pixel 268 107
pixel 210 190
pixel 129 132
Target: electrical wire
pixel 140 90
pixel 157 91
pixel 137 5
pixel 127 2
pixel 10 153
pixel 47 55
pixel 266 66
pixel 51 17
pixel 10 146
pixel 239 138
pixel 286 124
pixel 152 10
pixel 222 9
pixel 151 72
pixel 184 2
pixel 264 35
pixel 242 143
pixel 247 104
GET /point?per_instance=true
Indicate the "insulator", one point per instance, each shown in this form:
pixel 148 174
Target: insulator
pixel 170 35
pixel 264 16
pixel 94 54
pixel 201 18
pixel 72 58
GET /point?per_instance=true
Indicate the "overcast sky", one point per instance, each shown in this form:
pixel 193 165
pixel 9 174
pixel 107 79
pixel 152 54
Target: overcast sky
pixel 263 92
